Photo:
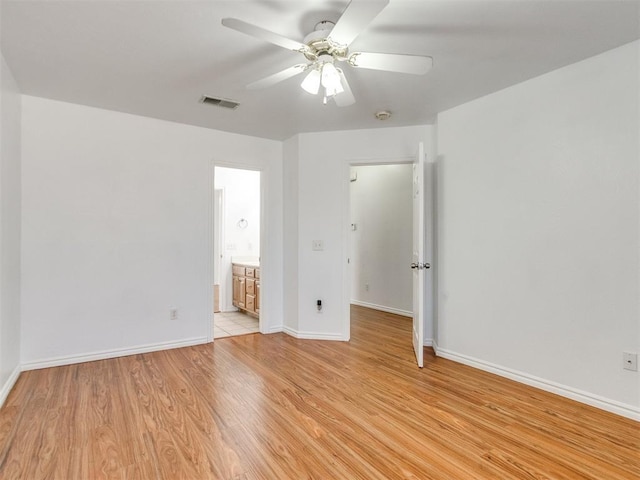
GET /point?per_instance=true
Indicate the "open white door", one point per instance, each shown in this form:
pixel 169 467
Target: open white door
pixel 417 264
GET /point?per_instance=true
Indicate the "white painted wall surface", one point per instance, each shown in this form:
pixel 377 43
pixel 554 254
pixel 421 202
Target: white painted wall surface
pixel 117 228
pixel 241 201
pixel 381 244
pixel 290 152
pixel 539 228
pixel 10 185
pixel 323 189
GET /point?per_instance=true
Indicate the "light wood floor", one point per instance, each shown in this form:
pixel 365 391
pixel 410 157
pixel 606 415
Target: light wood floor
pixel 273 407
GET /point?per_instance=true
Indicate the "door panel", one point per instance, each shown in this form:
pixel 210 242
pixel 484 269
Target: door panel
pixel 418 256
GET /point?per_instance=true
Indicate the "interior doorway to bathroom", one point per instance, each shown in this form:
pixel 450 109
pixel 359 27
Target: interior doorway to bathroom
pixel 236 252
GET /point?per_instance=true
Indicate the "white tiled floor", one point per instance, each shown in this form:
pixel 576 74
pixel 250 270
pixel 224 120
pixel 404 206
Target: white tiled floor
pixel 229 324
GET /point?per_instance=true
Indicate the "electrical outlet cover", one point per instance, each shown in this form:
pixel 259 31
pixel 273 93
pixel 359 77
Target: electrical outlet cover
pixel 630 361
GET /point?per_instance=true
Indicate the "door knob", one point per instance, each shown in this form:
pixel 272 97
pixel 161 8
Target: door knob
pixel 420 266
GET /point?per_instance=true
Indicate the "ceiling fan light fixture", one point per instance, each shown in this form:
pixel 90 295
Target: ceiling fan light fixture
pixel 311 83
pixel 331 80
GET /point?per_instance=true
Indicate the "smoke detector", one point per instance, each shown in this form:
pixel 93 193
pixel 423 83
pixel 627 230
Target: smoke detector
pixel 383 115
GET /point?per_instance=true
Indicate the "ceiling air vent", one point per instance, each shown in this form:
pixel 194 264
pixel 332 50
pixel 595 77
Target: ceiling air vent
pixel 219 102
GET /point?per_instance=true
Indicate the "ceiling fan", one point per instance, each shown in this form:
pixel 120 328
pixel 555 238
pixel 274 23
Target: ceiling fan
pixel 327 46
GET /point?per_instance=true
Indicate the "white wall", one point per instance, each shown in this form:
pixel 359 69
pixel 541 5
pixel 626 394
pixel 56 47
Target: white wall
pixel 117 227
pixel 241 201
pixel 10 118
pixel 539 230
pixel 322 214
pixel 290 152
pixel 381 244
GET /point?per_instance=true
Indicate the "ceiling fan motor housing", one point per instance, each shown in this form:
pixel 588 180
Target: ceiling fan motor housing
pixel 320 43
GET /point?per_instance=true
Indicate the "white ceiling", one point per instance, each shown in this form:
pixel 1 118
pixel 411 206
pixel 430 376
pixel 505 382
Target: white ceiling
pixel 157 58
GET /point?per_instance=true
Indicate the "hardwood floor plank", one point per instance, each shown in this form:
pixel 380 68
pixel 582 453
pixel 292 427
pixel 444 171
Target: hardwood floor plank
pixel 274 407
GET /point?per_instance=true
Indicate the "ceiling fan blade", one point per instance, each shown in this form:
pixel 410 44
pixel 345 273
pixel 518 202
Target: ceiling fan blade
pixel 354 20
pixel 392 62
pixel 346 97
pixel 261 33
pixel 277 77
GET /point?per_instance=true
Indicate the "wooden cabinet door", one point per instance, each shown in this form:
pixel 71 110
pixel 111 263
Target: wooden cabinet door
pixel 236 290
pixel 241 292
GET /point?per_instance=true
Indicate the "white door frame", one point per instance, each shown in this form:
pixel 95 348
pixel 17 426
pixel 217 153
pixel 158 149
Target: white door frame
pixel 218 238
pixel 264 263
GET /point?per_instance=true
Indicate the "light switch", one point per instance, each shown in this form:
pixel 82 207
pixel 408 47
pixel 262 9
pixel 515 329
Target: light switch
pixel 317 245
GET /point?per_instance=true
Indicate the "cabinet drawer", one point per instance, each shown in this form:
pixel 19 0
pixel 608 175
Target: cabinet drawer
pixel 251 286
pixel 238 271
pixel 249 272
pixel 257 273
pixel 251 303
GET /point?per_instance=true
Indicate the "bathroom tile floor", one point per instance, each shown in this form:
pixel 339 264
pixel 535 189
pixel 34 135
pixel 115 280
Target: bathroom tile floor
pixel 230 324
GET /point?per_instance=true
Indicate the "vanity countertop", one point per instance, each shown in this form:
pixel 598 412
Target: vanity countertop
pixel 248 264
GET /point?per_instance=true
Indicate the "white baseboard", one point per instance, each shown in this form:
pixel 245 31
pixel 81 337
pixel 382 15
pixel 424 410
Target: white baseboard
pixel 104 354
pixel 8 385
pixel 428 342
pixel 312 335
pixel 613 406
pixel 382 308
pixel 275 329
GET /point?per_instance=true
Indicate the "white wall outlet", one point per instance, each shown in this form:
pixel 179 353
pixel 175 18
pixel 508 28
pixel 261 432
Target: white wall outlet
pixel 173 313
pixel 366 287
pixel 630 361
pixel 317 245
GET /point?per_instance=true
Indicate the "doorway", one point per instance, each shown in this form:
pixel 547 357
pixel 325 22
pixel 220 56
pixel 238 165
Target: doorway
pixel 381 237
pixel 381 244
pixel 382 260
pixel 236 251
